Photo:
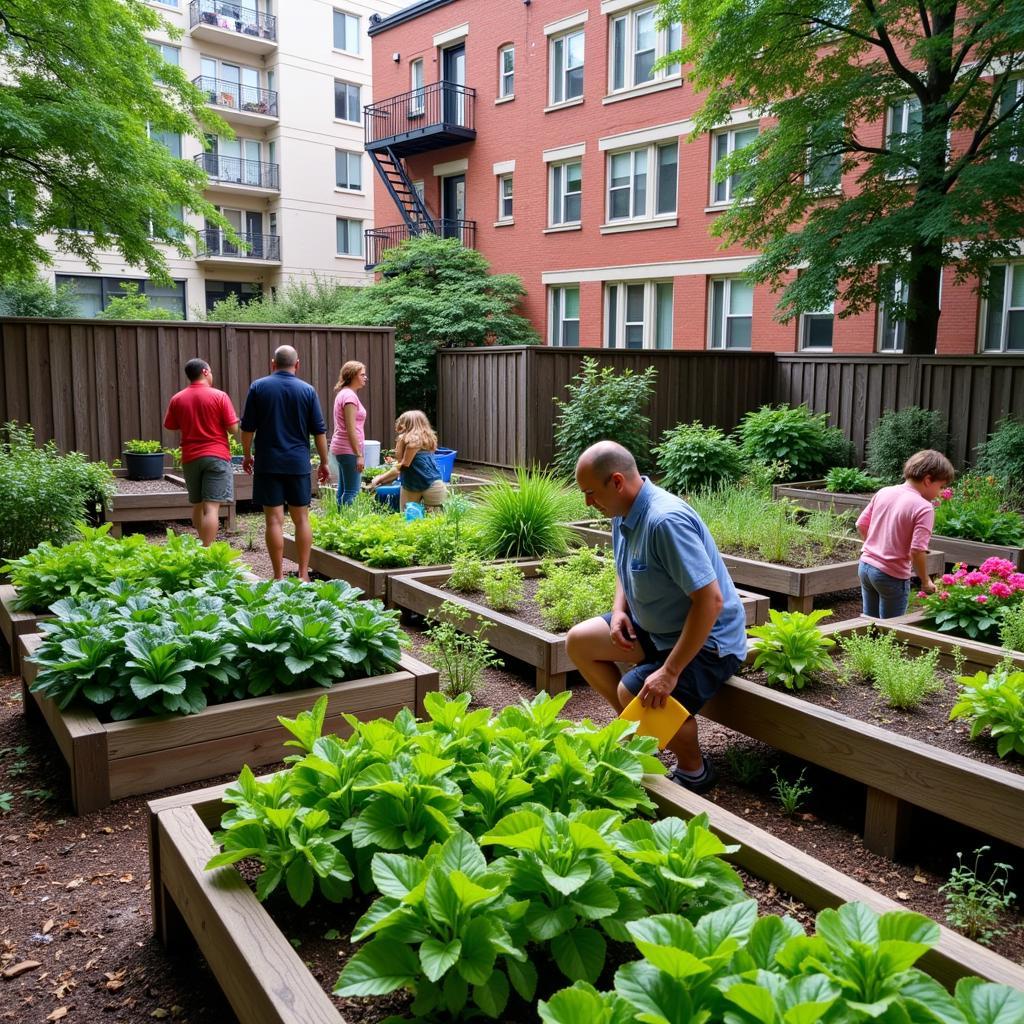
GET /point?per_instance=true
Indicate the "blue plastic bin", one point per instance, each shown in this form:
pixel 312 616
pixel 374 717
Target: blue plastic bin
pixel 446 462
pixel 388 494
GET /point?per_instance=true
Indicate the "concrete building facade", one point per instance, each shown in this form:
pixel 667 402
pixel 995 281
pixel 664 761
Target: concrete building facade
pixel 291 78
pixel 542 135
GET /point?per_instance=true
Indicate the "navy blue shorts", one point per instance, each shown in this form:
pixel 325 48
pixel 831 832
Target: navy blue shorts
pixel 700 680
pixel 274 489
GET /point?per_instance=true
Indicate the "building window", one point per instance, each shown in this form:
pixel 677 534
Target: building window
pixel 902 134
pixel 892 332
pixel 725 144
pixel 171 54
pixel 346 32
pixel 825 157
pixel 348 169
pixel 505 197
pixel 1011 96
pixel 636 43
pixel 732 310
pixel 350 237
pixel 816 329
pixel 506 72
pixel 565 317
pixel 638 314
pixel 416 86
pixel 566 192
pixel 567 67
pixel 93 294
pixel 1004 317
pixel 642 182
pixel 171 141
pixel 347 106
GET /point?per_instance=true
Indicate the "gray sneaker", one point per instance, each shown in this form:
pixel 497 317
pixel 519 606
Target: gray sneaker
pixel 701 785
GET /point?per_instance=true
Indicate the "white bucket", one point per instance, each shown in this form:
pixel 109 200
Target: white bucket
pixel 371 454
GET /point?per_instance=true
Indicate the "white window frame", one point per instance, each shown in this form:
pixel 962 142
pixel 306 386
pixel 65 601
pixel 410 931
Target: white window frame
pixel 728 185
pixel 347 16
pixel 506 75
pixel 359 100
pixel 650 211
pixel 1009 272
pixel 162 49
pixel 666 41
pixel 349 155
pixel 829 188
pixel 557 179
pixel 557 89
pixel 358 234
pixel 900 326
pixel 902 109
pixel 1011 94
pixel 727 287
pixel 806 319
pixel 505 196
pixel 556 315
pixel 416 101
pixel 617 324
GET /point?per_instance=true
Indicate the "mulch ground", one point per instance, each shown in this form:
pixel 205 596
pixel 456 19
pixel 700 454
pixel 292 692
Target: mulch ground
pixel 75 897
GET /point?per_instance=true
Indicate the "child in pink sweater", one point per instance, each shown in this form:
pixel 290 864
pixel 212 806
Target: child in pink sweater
pixel 896 528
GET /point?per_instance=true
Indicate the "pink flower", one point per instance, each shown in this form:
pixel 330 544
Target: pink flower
pixel 975 579
pixel 1000 589
pixel 1016 580
pixel 921 593
pixel 981 599
pixel 949 579
pixel 943 595
pixel 997 567
pixel 946 493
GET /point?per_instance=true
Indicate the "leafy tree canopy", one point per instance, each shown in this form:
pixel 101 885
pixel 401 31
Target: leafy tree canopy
pixel 943 188
pixel 81 93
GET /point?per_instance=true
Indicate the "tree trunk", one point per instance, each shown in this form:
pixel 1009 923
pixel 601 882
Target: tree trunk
pixel 923 300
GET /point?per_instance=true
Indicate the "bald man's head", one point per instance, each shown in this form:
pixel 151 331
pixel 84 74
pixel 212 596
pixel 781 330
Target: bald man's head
pixel 285 357
pixel 606 473
pixel 607 457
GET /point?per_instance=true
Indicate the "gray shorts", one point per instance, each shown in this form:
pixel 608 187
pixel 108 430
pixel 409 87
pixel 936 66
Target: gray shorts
pixel 209 479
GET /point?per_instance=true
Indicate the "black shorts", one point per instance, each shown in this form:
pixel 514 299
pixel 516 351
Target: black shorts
pixel 271 490
pixel 700 680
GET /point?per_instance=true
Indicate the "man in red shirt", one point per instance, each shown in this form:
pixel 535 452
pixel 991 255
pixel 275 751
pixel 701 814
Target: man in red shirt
pixel 205 417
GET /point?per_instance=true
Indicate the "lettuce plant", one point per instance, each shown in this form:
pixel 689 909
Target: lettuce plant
pixel 994 701
pixel 791 649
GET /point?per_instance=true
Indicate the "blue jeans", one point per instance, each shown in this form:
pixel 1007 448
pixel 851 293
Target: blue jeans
pixel 349 479
pixel 883 596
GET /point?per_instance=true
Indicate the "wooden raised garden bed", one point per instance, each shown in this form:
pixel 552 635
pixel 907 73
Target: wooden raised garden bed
pixel 264 977
pixel 813 496
pixel 595 533
pixel 110 760
pixel 154 506
pixel 15 624
pixel 423 593
pixel 900 772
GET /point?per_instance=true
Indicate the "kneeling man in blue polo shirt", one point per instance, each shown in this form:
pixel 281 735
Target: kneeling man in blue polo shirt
pixel 677 618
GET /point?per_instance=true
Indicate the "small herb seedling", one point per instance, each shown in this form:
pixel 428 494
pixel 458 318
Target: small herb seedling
pixel 790 794
pixel 974 904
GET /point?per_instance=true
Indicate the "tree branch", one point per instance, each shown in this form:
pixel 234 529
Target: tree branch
pixel 901 71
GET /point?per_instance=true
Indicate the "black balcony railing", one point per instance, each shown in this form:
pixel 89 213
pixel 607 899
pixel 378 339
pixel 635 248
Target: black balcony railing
pixel 378 240
pixel 213 242
pixel 236 171
pixel 234 17
pixel 237 97
pixel 435 106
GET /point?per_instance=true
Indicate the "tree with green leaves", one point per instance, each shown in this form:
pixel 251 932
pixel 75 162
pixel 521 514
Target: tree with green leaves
pixel 915 104
pixel 84 103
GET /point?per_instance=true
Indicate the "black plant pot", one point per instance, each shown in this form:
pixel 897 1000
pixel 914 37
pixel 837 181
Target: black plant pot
pixel 143 467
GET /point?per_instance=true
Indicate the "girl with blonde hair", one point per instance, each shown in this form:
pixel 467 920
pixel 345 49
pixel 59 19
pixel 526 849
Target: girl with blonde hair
pixel 349 438
pixel 415 446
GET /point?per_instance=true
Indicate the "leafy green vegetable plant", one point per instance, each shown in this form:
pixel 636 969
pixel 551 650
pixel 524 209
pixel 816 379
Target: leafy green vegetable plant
pixel 692 457
pixel 791 649
pixel 790 792
pixel 459 654
pixel 502 586
pixel 579 588
pixel 139 447
pixel 467 573
pixel 850 480
pixel 976 509
pixel 994 701
pixel 974 904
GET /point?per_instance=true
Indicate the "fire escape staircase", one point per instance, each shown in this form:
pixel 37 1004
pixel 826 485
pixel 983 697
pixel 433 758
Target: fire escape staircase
pixel 401 189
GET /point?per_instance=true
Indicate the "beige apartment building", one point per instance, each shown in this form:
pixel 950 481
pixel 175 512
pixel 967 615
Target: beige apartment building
pixel 291 77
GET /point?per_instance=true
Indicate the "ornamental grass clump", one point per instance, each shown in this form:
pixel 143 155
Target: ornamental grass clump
pixel 971 602
pixel 791 649
pixel 524 519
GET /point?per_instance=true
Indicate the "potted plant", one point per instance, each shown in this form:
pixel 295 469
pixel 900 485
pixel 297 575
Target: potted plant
pixel 144 460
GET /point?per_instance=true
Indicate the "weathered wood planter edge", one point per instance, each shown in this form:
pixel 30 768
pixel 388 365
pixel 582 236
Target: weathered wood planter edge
pixel 954 549
pixel 266 982
pixel 15 624
pixel 421 592
pixel 900 772
pixel 110 760
pixel 158 505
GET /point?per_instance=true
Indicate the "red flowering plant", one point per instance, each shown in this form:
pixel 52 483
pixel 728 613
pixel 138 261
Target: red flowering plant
pixel 970 602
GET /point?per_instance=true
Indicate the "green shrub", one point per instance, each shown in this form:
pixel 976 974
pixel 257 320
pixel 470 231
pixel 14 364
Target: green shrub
pixel 849 480
pixel 791 649
pixel 994 701
pixel 467 574
pixel 37 297
pixel 45 495
pixel 692 457
pixel 604 405
pixel 577 589
pixel 502 585
pixel 898 435
pixel 1011 627
pixel 525 519
pixel 796 436
pixel 133 306
pixel 1002 455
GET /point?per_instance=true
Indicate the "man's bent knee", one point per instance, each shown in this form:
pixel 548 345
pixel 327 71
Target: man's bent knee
pixel 580 639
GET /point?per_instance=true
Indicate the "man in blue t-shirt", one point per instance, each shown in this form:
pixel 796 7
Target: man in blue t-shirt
pixel 677 618
pixel 282 412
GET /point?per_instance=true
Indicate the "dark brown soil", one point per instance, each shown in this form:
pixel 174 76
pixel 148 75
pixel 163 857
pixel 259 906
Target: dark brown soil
pixel 805 556
pixel 528 611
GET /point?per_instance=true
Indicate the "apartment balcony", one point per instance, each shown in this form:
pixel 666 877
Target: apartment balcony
pixel 239 104
pixel 238 176
pixel 438 115
pixel 376 241
pixel 233 24
pixel 215 250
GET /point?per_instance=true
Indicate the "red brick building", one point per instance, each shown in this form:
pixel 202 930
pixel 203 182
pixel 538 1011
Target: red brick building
pixel 539 133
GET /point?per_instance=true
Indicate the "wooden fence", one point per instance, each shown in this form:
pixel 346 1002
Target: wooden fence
pixel 93 384
pixel 496 404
